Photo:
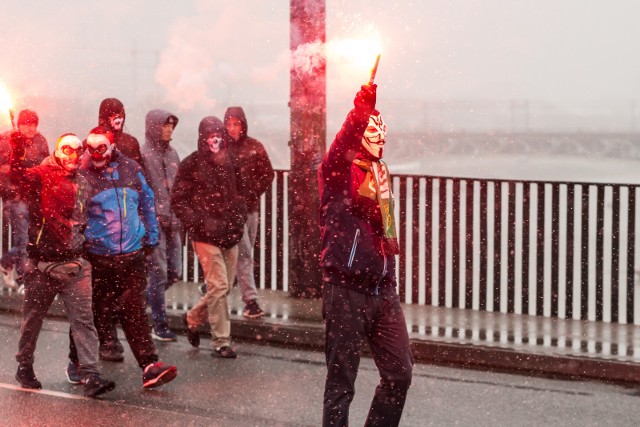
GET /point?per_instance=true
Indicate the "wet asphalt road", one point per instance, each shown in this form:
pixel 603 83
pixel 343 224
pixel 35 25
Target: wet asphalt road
pixel 272 386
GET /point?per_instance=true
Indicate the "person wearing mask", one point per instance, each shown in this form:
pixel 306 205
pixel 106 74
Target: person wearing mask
pixel 15 209
pixel 121 228
pixel 359 246
pixel 57 197
pixel 165 261
pixel 206 199
pixel 111 115
pixel 256 175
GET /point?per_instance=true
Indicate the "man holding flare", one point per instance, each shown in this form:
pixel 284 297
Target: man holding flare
pixel 359 245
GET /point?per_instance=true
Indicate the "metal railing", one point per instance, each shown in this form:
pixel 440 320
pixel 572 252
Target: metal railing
pixel 553 249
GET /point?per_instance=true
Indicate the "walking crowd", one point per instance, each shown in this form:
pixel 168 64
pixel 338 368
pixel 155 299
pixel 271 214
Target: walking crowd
pixel 100 222
pixel 106 220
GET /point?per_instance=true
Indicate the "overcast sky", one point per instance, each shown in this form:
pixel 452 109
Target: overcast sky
pixel 198 57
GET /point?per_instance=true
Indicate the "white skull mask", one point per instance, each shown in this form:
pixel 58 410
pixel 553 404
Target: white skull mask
pixel 116 122
pixel 68 151
pixel 374 136
pixel 214 142
pixel 100 149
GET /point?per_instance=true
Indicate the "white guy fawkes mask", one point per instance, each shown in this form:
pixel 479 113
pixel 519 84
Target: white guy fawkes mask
pixel 116 122
pixel 374 136
pixel 68 151
pixel 100 149
pixel 215 143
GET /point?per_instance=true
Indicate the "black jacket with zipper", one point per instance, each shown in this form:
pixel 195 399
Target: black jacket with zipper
pixel 351 225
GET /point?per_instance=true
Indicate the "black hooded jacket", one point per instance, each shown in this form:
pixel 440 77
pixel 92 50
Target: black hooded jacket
pixel 125 143
pixel 256 171
pixel 204 195
pixel 353 253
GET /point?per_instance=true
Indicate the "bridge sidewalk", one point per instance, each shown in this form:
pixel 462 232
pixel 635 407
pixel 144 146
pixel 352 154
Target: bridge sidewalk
pixel 506 342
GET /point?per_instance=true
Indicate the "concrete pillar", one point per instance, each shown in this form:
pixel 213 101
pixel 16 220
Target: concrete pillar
pixel 308 144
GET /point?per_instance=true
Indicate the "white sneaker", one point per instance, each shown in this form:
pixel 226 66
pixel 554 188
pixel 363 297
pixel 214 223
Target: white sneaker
pixel 9 277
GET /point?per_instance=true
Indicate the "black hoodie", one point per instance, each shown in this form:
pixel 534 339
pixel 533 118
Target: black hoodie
pixel 256 172
pixel 127 144
pixel 204 195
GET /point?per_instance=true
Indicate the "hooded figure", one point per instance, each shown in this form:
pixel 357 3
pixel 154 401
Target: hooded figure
pixel 256 176
pixel 112 116
pixel 256 171
pixel 162 163
pixel 206 200
pixel 205 196
pixel 165 262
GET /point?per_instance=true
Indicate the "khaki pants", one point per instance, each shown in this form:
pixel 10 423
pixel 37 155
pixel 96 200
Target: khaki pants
pixel 219 267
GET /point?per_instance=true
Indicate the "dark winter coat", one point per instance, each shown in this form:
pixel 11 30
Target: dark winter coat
pixel 121 211
pixel 256 172
pixel 205 196
pixel 161 161
pixel 125 143
pixel 352 233
pixel 57 202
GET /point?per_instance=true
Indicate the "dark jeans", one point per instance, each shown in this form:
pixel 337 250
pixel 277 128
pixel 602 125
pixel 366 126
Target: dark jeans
pixel 350 317
pixel 119 284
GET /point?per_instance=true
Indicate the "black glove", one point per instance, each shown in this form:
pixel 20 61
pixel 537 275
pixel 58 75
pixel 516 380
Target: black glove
pixel 366 98
pixel 17 140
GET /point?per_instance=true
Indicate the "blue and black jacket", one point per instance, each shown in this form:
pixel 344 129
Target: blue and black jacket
pixel 121 210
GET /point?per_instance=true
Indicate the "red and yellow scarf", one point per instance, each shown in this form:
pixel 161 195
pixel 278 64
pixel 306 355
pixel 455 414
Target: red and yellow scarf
pixel 377 186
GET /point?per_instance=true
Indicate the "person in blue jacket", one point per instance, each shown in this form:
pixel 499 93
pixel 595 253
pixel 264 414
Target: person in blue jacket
pixel 121 229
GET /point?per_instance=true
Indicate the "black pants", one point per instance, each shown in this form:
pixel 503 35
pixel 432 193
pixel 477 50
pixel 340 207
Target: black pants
pixel 120 282
pixel 349 318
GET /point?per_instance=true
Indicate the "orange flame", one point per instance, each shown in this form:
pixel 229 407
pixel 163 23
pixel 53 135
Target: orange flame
pixel 357 53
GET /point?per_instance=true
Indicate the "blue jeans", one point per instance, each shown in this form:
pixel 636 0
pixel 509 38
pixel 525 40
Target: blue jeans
pixel 17 212
pixel 164 266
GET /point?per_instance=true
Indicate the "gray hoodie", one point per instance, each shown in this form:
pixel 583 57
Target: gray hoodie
pixel 161 161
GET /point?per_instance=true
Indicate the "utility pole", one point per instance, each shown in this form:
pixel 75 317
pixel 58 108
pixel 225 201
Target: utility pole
pixel 308 102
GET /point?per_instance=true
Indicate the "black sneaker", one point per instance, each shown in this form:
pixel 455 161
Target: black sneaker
pixel 157 374
pixel 225 351
pixel 163 333
pixel 110 354
pixel 253 310
pixel 114 343
pixel 27 378
pixel 95 385
pixel 73 373
pixel 193 336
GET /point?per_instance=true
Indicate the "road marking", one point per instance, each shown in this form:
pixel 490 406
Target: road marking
pixel 43 391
